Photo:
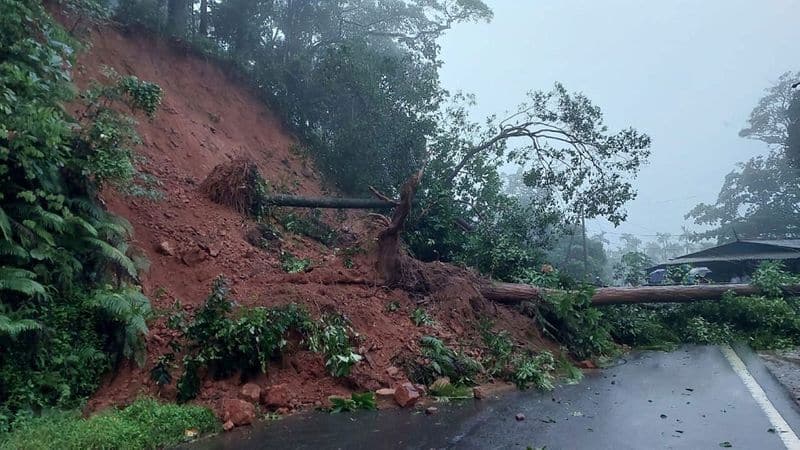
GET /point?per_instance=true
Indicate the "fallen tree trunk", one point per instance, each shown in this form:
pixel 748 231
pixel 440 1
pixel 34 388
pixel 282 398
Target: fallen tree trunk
pixel 328 202
pixel 516 293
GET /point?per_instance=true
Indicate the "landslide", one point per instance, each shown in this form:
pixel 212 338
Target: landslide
pixel 210 118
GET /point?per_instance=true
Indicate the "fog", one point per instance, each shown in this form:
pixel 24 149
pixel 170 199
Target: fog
pixel 686 72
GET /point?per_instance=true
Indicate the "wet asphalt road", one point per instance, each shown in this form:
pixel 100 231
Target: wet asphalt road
pixel 687 399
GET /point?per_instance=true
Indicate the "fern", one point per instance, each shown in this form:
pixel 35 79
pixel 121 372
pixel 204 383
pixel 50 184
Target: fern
pixel 5 225
pixel 19 280
pixel 9 248
pixel 114 254
pixel 13 328
pixel 130 308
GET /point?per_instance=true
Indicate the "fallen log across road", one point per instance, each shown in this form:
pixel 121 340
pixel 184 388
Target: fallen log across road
pixel 516 293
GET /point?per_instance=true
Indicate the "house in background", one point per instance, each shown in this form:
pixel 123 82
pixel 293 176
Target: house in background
pixel 736 261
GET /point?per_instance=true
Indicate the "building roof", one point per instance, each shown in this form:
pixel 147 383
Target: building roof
pixel 741 250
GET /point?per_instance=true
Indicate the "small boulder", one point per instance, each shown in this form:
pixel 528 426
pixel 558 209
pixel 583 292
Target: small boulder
pixel 277 396
pixel 479 392
pixel 406 395
pixel 165 248
pixel 194 257
pixel 227 426
pixel 587 364
pixel 385 392
pixel 392 371
pixel 238 412
pixel 431 410
pixel 520 417
pixel 250 392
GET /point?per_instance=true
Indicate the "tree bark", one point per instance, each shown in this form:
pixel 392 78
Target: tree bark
pixel 203 26
pixel 389 262
pixel 329 202
pixel 516 293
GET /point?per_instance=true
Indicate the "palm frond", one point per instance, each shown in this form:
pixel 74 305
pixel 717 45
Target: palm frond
pixel 9 248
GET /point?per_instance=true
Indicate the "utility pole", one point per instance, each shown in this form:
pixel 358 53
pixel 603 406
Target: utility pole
pixel 585 256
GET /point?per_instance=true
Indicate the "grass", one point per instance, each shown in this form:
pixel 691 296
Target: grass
pixel 145 424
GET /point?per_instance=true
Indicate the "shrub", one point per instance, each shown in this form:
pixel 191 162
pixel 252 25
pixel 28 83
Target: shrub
pixel 365 401
pixel 436 360
pixel 536 371
pixel 332 337
pixel 293 264
pixel 420 317
pixel 499 346
pixel 145 424
pixel 309 224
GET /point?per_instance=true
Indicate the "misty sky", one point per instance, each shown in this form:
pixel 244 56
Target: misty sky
pixel 688 73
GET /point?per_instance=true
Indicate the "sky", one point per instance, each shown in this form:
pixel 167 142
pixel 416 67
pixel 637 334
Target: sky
pixel 687 73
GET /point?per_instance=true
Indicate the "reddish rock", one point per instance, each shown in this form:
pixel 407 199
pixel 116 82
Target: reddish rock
pixel 277 396
pixel 385 392
pixel 227 426
pixel 520 417
pixel 250 392
pixel 421 389
pixel 194 257
pixel 237 411
pixel 406 395
pixel 392 371
pixel 479 392
pixel 165 248
pixel 587 364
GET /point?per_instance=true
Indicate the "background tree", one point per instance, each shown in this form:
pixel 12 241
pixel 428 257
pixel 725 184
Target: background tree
pixel 631 270
pixel 761 198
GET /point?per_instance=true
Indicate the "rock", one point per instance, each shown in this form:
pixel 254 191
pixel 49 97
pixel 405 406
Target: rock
pixel 520 417
pixel 194 257
pixel 385 392
pixel 392 371
pixel 431 410
pixel 479 392
pixel 227 426
pixel 277 396
pixel 237 411
pixel 282 411
pixel 406 395
pixel 165 248
pixel 250 392
pixel 587 364
pixel 421 389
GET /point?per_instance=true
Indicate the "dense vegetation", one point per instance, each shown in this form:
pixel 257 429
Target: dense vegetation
pixel 69 306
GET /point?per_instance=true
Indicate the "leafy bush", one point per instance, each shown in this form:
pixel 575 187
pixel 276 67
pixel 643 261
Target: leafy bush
pixel 364 401
pixel 569 318
pixel 145 424
pixel 293 264
pixel 443 389
pixel 535 370
pixel 227 341
pixel 436 360
pixel 500 348
pixel 309 224
pixel 332 337
pixel 420 317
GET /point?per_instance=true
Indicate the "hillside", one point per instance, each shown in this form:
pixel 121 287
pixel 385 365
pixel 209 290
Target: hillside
pixel 207 119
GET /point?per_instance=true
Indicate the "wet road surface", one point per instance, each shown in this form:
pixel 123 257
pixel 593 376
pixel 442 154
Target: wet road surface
pixel 688 399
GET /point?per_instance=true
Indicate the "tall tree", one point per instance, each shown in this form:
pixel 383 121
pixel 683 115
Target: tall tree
pixel 761 198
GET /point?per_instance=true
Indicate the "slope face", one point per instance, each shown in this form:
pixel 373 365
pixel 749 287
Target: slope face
pixel 208 119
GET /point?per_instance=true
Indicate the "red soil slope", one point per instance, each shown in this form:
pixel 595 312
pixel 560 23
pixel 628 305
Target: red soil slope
pixel 208 119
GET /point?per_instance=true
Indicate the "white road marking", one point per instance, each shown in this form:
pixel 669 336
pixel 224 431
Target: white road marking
pixel 790 440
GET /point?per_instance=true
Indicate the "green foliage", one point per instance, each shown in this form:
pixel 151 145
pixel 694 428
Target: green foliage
pixel 420 317
pixel 499 346
pixel 392 306
pixel 764 322
pixel 535 371
pixel 363 401
pixel 569 318
pixel 771 276
pixel 145 424
pixel 436 360
pixel 332 337
pixel 226 341
pixel 631 268
pixel 309 224
pixel 293 264
pixel 443 389
pixel 161 373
